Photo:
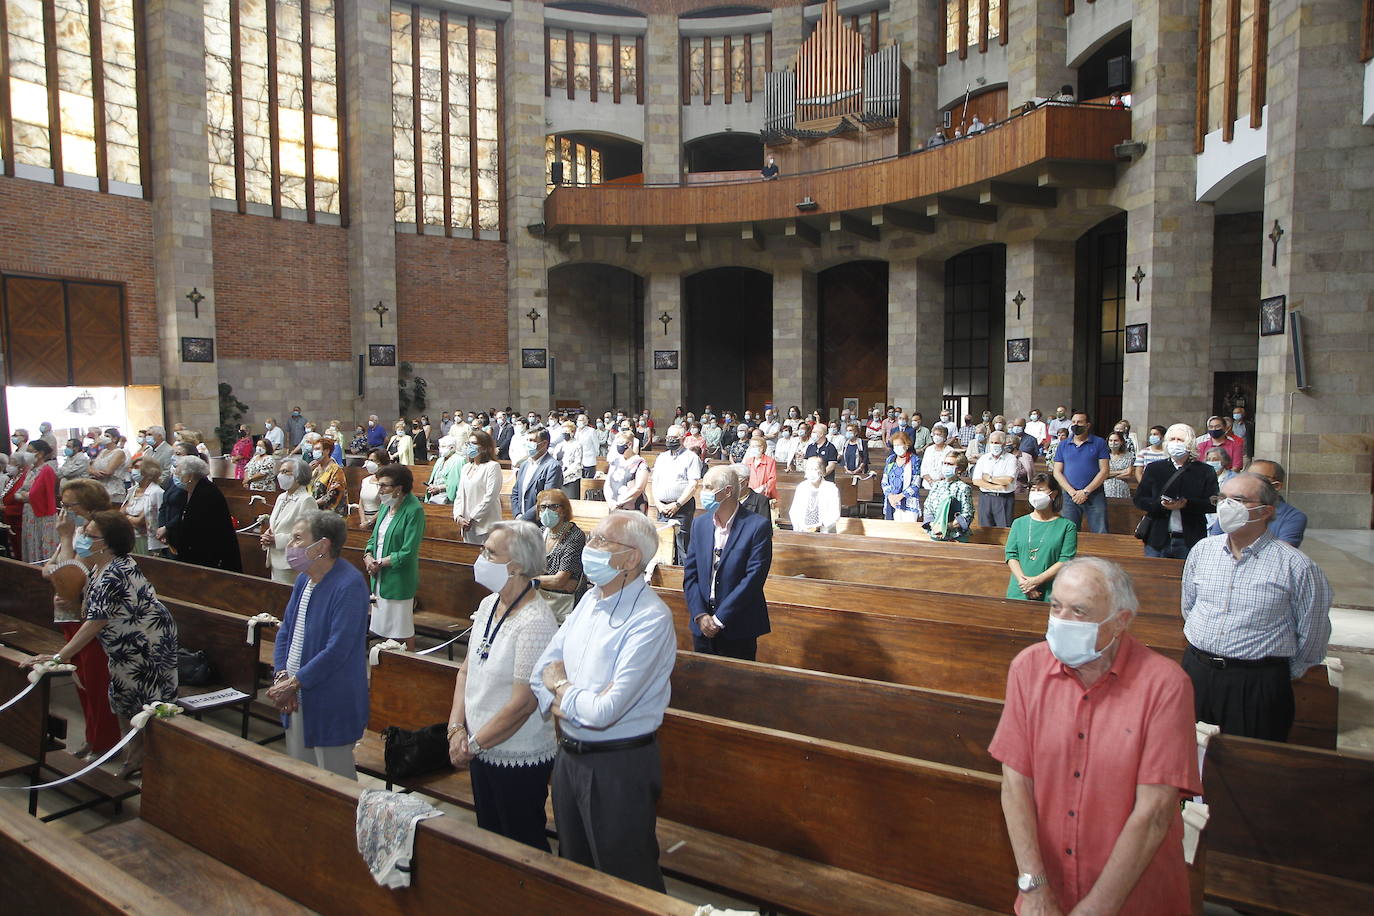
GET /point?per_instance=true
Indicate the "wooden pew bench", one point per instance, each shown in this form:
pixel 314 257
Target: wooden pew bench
pixel 410 692
pixel 24 727
pixel 228 827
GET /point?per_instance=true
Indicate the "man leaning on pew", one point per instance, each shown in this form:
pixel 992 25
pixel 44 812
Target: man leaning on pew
pixel 605 675
pixel 1098 746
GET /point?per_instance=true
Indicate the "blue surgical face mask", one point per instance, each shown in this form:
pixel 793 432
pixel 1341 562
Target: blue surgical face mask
pixel 82 544
pixel 1017 430
pixel 949 471
pixel 980 437
pixel 549 517
pixel 709 500
pixel 1155 440
pixel 149 440
pixel 470 451
pixel 596 564
pixel 1074 642
pixel 69 452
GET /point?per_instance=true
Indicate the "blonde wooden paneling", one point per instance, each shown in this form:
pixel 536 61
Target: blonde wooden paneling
pixel 1051 133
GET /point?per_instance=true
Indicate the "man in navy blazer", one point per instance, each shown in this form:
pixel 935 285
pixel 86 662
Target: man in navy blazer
pixel 725 569
pixel 540 471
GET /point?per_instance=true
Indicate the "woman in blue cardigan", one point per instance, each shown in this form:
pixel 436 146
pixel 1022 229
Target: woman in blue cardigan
pixel 320 659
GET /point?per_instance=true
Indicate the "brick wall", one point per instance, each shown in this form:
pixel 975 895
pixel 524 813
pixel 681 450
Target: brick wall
pixel 281 289
pixel 451 300
pixel 75 233
pixel 1238 249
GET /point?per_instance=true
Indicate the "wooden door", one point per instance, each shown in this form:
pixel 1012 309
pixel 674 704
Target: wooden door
pixel 35 332
pixel 95 329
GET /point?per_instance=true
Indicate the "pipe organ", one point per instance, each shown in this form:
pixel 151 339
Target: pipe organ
pixel 836 105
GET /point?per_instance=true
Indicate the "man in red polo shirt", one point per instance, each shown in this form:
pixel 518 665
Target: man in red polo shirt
pixel 1098 747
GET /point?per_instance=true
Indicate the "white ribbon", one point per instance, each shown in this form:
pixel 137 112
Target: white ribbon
pixel 442 645
pixel 1195 812
pixel 1335 669
pixel 160 710
pixel 707 910
pixel 259 619
pixel 40 670
pixel 374 654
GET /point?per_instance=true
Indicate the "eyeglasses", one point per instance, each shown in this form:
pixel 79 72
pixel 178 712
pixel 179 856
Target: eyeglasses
pixel 554 506
pixel 600 540
pixel 1251 503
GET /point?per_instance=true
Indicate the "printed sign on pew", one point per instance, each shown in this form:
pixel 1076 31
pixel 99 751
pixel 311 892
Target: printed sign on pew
pixel 203 701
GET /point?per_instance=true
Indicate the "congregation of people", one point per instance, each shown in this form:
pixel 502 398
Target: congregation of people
pixel 566 677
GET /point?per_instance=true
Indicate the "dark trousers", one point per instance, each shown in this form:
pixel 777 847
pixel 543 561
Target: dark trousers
pixel 1176 549
pixel 747 649
pixel 683 538
pixel 1249 702
pixel 510 800
pixel 995 509
pixel 605 806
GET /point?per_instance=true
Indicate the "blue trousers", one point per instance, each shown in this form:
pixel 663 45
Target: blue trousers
pixel 1094 511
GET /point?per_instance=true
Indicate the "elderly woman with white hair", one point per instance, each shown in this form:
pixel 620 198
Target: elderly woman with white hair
pixel 495 728
pixel 1176 494
pixel 605 676
pixel 294 504
pixel 816 501
pixel 203 532
pixel 444 477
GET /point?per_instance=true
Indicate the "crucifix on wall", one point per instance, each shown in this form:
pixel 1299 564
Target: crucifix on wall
pixel 1274 235
pixel 534 316
pixel 1139 278
pixel 1019 300
pixel 665 318
pixel 381 311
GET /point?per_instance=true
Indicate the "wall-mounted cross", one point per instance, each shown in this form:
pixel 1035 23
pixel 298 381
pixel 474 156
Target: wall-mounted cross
pixel 1274 235
pixel 1019 300
pixel 665 318
pixel 381 311
pixel 195 297
pixel 1139 278
pixel 534 317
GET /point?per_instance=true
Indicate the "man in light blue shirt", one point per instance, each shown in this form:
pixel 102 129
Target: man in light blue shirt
pixel 605 675
pixel 1289 523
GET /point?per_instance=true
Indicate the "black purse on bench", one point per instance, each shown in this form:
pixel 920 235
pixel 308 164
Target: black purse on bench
pixel 409 754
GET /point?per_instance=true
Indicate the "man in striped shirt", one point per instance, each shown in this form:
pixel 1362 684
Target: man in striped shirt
pixel 1257 615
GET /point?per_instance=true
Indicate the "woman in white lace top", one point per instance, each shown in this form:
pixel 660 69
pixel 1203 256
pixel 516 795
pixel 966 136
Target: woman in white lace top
pixel 495 728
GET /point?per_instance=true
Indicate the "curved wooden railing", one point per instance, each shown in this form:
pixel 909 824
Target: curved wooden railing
pixel 1052 133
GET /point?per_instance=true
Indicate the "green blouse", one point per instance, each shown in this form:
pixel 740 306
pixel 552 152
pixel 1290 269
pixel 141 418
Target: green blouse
pixel 1037 546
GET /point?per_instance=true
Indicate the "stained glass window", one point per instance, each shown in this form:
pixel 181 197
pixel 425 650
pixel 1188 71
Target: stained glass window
pixel 722 69
pixel 582 164
pixel 460 141
pixel 280 57
pixel 93 59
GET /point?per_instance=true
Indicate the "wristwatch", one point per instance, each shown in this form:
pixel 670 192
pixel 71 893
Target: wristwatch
pixel 473 745
pixel 1026 882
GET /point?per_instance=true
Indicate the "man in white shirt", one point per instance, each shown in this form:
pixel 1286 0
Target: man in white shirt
pixel 1060 421
pixel 605 675
pixel 995 475
pixel 1037 428
pixel 677 474
pixel 769 428
pixel 586 437
pixel 950 427
pixel 161 449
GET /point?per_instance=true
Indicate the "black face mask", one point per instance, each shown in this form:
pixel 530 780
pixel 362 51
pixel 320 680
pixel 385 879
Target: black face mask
pixel 1078 430
pixel 673 443
pixel 1217 433
pixel 620 449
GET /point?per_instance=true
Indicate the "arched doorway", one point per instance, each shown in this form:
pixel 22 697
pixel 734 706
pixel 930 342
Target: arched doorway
pixel 729 338
pixel 852 300
pixel 1100 321
pixel 596 336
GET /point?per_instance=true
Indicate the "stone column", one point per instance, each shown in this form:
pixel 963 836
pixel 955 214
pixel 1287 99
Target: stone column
pixel 1168 234
pixel 1320 190
pixel 789 31
pixel 527 278
pixel 664 389
pixel 662 101
pixel 796 359
pixel 371 204
pixel 183 256
pixel 916 334
pixel 918 26
pixel 1042 272
pixel 1037 42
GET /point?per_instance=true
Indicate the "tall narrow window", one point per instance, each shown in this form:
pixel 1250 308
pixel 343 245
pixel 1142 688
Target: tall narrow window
pixel 81 118
pixel 272 107
pixel 629 66
pixel 558 60
pixel 446 131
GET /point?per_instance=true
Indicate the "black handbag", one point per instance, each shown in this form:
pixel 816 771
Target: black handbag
pixel 1142 527
pixel 193 668
pixel 415 753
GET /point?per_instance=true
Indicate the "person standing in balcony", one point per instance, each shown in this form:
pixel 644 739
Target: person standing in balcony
pixel 769 171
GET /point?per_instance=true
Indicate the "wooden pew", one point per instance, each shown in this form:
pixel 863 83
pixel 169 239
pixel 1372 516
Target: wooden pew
pixel 227 827
pixel 45 873
pixel 24 726
pixel 791 859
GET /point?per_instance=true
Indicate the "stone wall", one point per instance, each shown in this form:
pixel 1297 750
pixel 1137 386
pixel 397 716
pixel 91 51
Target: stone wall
pixel 591 335
pixel 271 387
pixel 1237 252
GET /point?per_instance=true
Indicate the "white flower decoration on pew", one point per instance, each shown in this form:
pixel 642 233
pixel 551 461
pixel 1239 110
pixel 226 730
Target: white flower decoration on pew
pixel 257 619
pixel 155 711
pixel 43 669
pixel 375 653
pixel 1335 671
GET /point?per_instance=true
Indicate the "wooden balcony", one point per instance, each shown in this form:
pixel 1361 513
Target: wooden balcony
pixel 1019 162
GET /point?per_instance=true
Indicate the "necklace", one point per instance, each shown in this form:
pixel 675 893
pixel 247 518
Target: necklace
pixel 1034 544
pixel 489 635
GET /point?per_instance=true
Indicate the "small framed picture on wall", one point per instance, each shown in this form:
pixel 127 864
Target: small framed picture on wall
pixel 1018 350
pixel 534 358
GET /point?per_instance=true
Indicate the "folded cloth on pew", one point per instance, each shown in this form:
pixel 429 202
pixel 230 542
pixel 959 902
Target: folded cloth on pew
pixel 386 833
pixel 707 910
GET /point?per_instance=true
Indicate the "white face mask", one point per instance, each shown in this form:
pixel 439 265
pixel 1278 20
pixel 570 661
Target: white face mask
pixel 260 450
pixel 995 449
pixel 489 574
pixel 371 466
pixel 899 449
pixel 813 474
pixel 1074 642
pixel 1176 449
pixel 285 480
pixel 389 500
pixel 754 452
pixel 1232 515
pixel 1039 499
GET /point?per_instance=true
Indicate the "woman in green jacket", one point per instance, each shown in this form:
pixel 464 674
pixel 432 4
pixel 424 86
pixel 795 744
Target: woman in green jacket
pixel 393 555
